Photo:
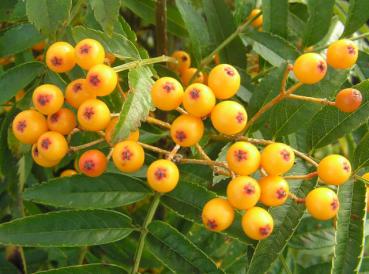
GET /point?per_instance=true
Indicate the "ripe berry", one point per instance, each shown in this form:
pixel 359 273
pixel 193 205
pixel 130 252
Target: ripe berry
pixel 63 121
pixel 334 169
pixel 258 22
pixel 243 158
pixel 162 176
pixel 89 53
pixel 18 96
pixel 224 80
pixel 277 159
pixel 101 80
pixel 183 59
pixel 229 117
pixel 310 68
pixel 342 54
pixel 187 74
pixel 348 100
pixel 68 173
pixel 93 115
pixel 52 146
pixel 187 130
pixel 39 46
pixel 92 163
pixel 28 126
pixel 217 214
pixel 48 99
pixel 198 100
pixel 274 190
pixel 60 57
pixel 128 156
pixel 167 93
pixel 133 136
pixel 76 93
pixel 257 223
pixel 322 203
pixel 243 192
pixel 40 160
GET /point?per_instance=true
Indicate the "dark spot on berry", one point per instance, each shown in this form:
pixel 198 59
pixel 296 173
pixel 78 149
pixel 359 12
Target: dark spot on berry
pixel 94 80
pixel 180 135
pixel 126 154
pixel 346 167
pixel 240 155
pixel 351 49
pixel 160 173
pixel 168 87
pixel 212 224
pixel 184 58
pixel 285 154
pixel 240 117
pixel 229 71
pixel 45 143
pixel 84 49
pixel 249 189
pixel 89 112
pixel 56 61
pixel 281 193
pixel 89 165
pixel 54 117
pixel 265 230
pixel 44 99
pixel 321 67
pixel 335 204
pixel 77 87
pixel 195 94
pixel 21 126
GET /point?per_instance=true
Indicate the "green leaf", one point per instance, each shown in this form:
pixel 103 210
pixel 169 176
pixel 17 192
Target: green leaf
pixel 176 252
pixel 137 105
pixel 330 123
pixel 313 239
pixel 320 15
pixel 106 13
pixel 88 268
pixel 18 38
pixel 364 265
pixel 361 154
pixel 66 229
pixel 357 16
pixel 275 15
pixel 48 16
pixel 361 67
pixel 17 78
pixel 350 227
pixel 81 192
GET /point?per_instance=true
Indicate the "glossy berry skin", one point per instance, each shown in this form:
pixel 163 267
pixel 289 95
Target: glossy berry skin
pixel 92 163
pixel 101 80
pixel 128 156
pixel 187 130
pixel 274 190
pixel 334 169
pixel 47 99
pixel 76 93
pixel 40 160
pixel 257 223
pixel 186 76
pixel 93 115
pixel 167 93
pixel 310 68
pixel 183 59
pixel 28 126
pixel 243 192
pixel 243 158
pixel 229 117
pixel 89 53
pixel 52 146
pixel 322 203
pixel 133 136
pixel 348 100
pixel 258 22
pixel 217 214
pixel 198 100
pixel 224 80
pixel 60 57
pixel 162 176
pixel 68 173
pixel 342 54
pixel 62 121
pixel 277 159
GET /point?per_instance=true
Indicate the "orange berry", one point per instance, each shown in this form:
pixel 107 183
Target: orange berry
pixel 183 59
pixel 243 192
pixel 128 156
pixel 40 160
pixel 187 74
pixel 20 94
pixel 89 53
pixel 133 136
pixel 198 100
pixel 93 115
pixel 52 146
pixel 162 176
pixel 39 46
pixel 229 117
pixel 322 203
pixel 224 80
pixel 101 80
pixel 217 214
pixel 76 93
pixel 187 130
pixel 277 159
pixel 92 163
pixel 243 158
pixel 334 169
pixel 167 93
pixel 258 22
pixel 310 68
pixel 68 173
pixel 257 223
pixel 48 99
pixel 60 57
pixel 63 121
pixel 348 100
pixel 28 126
pixel 342 54
pixel 274 190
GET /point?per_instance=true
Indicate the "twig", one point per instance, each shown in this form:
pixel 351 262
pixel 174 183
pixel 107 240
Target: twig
pixel 158 122
pixel 173 152
pixel 144 62
pixel 296 199
pixel 181 110
pixel 161 27
pixel 301 177
pixel 124 95
pixel 87 145
pixel 322 101
pixel 202 152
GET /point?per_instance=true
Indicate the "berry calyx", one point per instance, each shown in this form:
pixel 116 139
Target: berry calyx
pixel 322 203
pixel 68 173
pixel 224 80
pixel 187 74
pixel 76 93
pixel 52 146
pixel 62 121
pixel 257 223
pixel 217 214
pixel 60 57
pixel 40 160
pixel 89 53
pixel 48 99
pixel 243 158
pixel 28 126
pixel 187 130
pixel 128 156
pixel 348 100
pixel 92 163
pixel 243 192
pixel 342 54
pixel 334 169
pixel 133 136
pixel 167 93
pixel 93 115
pixel 198 100
pixel 162 176
pixel 101 80
pixel 183 61
pixel 277 159
pixel 274 190
pixel 310 68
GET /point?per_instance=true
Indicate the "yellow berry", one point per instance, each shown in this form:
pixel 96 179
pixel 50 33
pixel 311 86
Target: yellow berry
pixel 187 75
pixel 92 163
pixel 310 68
pixel 133 136
pixel 277 159
pixel 162 176
pixel 52 146
pixel 76 93
pixel 167 93
pixel 342 54
pixel 224 80
pixel 89 53
pixel 60 57
pixel 334 169
pixel 40 160
pixel 68 173
pixel 274 190
pixel 48 99
pixel 93 115
pixel 198 100
pixel 322 203
pixel 187 130
pixel 183 61
pixel 243 192
pixel 257 223
pixel 217 214
pixel 128 156
pixel 63 121
pixel 348 100
pixel 28 126
pixel 101 80
pixel 243 158
pixel 258 22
